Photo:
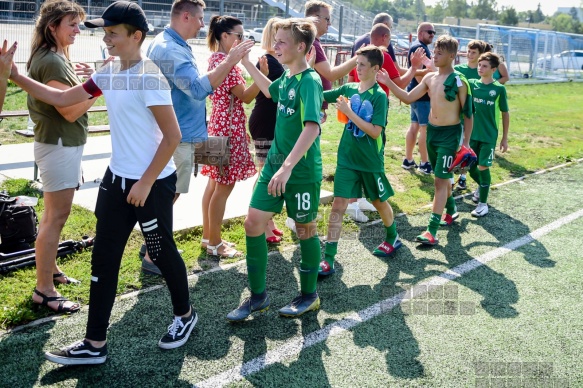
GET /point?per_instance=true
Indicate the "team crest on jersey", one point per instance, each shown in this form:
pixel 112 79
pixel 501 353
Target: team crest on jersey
pixel 292 94
pixel 492 93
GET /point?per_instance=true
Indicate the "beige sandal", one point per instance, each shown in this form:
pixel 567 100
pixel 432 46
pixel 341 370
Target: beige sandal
pixel 205 242
pixel 213 250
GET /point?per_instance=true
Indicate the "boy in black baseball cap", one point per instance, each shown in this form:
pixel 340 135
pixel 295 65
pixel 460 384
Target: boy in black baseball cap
pixel 121 12
pixel 139 184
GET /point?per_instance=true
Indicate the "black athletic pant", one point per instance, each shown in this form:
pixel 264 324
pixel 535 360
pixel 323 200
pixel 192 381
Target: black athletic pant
pixel 115 220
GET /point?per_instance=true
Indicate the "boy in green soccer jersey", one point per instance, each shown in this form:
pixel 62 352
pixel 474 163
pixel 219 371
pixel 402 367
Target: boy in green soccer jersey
pixel 470 70
pixel 292 172
pixel 491 102
pixel 361 162
pixel 450 97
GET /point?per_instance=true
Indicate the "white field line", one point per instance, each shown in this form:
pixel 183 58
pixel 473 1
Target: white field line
pixel 228 266
pixel 540 172
pixel 295 346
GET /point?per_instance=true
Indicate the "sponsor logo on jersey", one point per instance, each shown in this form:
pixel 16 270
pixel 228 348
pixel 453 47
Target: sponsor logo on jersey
pixel 285 110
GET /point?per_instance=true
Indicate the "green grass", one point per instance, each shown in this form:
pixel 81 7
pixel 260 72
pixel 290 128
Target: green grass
pixel 545 131
pixel 520 325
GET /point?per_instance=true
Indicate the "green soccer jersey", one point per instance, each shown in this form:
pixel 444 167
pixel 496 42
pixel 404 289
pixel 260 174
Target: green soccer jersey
pixel 489 101
pixel 470 73
pixel 299 99
pixel 362 153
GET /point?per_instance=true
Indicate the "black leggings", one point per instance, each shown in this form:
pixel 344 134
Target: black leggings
pixel 115 220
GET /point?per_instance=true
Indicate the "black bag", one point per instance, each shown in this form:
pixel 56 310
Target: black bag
pixel 18 225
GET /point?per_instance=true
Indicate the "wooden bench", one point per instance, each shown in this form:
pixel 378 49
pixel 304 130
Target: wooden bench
pixel 30 133
pixel 91 129
pixel 24 113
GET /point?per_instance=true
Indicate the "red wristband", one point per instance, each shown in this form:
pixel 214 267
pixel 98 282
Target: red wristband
pixel 91 88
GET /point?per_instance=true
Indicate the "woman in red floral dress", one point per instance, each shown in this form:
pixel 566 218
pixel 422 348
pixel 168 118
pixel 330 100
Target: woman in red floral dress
pixel 224 32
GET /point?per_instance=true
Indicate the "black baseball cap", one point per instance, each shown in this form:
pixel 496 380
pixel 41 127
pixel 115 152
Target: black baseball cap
pixel 121 12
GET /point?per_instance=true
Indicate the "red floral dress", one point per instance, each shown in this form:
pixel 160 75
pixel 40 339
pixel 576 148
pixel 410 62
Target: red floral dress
pixel 241 165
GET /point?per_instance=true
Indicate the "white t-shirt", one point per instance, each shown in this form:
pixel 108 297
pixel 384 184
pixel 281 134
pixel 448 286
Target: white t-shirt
pixel 135 135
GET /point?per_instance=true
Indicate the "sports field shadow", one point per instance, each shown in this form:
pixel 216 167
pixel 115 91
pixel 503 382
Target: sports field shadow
pixel 395 339
pixel 505 229
pixel 499 293
pixel 515 170
pixel 307 370
pixel 134 357
pixel 254 332
pixel 22 355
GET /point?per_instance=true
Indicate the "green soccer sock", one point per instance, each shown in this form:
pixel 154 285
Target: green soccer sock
pixel 310 264
pixel 485 180
pixel 256 263
pixel 475 174
pixel 434 221
pixel 391 233
pixel 450 207
pixel 330 252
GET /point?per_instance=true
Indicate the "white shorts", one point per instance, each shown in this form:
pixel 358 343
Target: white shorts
pixel 184 161
pixel 59 166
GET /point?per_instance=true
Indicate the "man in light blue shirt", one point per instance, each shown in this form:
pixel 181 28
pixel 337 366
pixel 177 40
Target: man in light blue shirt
pixel 171 52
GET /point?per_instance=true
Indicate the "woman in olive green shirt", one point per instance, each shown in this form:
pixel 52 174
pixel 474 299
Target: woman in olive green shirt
pixel 59 134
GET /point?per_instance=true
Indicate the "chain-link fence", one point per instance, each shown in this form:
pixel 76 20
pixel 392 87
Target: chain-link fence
pixel 528 53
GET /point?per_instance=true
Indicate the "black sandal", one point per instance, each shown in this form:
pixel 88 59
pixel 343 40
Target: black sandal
pixel 68 279
pixel 61 299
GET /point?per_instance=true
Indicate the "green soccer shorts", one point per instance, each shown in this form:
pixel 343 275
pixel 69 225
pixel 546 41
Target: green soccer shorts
pixel 350 183
pixel 301 200
pixel 442 145
pixel 484 151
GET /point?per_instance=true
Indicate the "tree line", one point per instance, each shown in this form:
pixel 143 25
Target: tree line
pixel 486 10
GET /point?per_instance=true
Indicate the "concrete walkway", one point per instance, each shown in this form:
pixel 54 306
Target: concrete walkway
pixel 17 161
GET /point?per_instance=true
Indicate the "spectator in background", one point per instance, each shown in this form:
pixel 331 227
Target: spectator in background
pixel 475 49
pixel 262 119
pixel 60 134
pixel 188 98
pixel 320 14
pixel 6 55
pixel 387 20
pixel 227 119
pixel 420 108
pixel 380 36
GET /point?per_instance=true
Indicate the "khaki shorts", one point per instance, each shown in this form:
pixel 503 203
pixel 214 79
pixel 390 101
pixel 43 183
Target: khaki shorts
pixel 183 158
pixel 59 166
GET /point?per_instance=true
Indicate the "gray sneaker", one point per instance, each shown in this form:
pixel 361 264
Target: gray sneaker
pixel 301 304
pixel 248 306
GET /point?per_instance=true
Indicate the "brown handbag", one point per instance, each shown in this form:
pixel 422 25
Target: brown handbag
pixel 216 150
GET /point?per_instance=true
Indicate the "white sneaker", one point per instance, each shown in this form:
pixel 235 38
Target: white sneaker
pixel 363 205
pixel 355 213
pixel 290 223
pixel 476 196
pixel 481 210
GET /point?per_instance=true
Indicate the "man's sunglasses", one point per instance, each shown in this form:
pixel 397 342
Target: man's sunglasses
pixel 430 32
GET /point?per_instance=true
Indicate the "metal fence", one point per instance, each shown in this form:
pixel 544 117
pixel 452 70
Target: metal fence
pixel 529 53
